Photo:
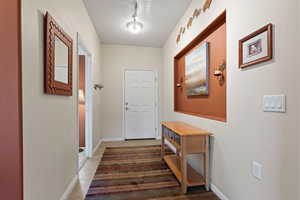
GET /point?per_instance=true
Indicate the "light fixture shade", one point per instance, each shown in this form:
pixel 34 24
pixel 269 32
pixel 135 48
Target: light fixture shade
pixel 134 26
pixel 81 96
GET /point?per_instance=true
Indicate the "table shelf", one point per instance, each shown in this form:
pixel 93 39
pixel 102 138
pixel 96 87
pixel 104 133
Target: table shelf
pixel 193 177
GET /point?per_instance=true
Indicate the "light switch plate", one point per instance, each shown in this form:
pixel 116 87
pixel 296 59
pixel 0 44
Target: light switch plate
pixel 257 170
pixel 274 103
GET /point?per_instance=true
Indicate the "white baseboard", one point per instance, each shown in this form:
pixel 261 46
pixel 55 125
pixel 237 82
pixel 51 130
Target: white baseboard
pixel 82 163
pixel 70 188
pixel 218 192
pixel 112 139
pixel 97 146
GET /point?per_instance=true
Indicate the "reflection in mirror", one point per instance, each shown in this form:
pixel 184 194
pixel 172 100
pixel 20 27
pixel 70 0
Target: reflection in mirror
pixel 61 61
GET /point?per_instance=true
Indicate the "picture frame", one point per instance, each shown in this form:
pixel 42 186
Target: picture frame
pixel 256 47
pixel 197 71
pixel 58 69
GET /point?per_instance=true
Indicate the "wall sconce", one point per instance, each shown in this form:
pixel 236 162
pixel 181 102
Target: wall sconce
pixel 81 96
pixel 98 86
pixel 219 72
pixel 180 84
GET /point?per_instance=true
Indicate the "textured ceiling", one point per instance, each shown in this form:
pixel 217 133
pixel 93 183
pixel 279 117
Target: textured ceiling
pixel 158 16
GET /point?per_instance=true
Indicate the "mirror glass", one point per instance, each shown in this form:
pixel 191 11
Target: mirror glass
pixel 61 61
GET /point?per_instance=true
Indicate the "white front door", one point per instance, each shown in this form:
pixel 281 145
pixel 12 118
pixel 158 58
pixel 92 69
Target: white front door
pixel 139 104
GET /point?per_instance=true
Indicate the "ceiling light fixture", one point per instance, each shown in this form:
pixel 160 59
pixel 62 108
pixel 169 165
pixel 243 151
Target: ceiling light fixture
pixel 135 26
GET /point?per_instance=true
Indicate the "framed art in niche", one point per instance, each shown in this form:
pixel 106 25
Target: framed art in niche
pixel 197 87
pixel 196 71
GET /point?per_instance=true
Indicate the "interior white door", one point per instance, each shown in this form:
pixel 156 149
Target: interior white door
pixel 139 104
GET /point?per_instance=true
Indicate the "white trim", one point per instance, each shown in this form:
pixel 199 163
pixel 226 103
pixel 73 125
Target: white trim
pixel 112 139
pixel 97 146
pixel 218 192
pixel 89 106
pixel 82 163
pixel 70 188
pixel 156 76
pixel 82 50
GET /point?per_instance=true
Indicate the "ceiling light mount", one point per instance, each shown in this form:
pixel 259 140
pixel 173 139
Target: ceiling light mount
pixel 135 26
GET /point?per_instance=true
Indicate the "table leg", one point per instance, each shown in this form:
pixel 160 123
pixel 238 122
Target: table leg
pixel 183 167
pixel 162 145
pixel 206 163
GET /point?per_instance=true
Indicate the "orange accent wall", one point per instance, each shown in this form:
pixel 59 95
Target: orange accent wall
pixel 212 106
pixel 11 181
pixel 82 106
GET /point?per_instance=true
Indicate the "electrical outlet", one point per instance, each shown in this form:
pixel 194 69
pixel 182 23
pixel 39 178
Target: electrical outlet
pixel 257 170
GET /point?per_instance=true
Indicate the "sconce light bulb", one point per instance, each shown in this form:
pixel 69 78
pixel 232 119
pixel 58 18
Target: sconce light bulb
pixel 218 73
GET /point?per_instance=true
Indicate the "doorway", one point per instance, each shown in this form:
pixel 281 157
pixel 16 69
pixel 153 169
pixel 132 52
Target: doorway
pixel 85 103
pixel 140 104
pixel 82 108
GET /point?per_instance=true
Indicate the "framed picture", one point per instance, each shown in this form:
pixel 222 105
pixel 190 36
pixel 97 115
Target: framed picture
pixel 196 71
pixel 257 47
pixel 58 67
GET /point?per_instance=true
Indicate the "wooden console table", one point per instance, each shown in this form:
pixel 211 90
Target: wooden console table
pixel 187 140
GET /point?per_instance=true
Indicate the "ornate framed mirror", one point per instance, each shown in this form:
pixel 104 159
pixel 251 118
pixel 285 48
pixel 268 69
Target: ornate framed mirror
pixel 58 59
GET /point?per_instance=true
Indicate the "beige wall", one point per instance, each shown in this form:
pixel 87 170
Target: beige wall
pixel 50 122
pixel 116 58
pixel 250 134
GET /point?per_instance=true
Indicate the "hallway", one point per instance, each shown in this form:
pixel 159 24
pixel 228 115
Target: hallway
pixel 149 99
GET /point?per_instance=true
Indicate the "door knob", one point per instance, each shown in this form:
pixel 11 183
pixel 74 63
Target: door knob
pixel 126 108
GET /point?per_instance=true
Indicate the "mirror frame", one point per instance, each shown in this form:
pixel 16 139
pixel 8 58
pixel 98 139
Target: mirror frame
pixel 52 86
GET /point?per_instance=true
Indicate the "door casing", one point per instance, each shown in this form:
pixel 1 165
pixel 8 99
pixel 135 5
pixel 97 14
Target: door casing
pixel 88 97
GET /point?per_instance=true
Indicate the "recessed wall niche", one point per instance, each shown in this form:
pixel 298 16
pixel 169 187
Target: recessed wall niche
pixel 212 105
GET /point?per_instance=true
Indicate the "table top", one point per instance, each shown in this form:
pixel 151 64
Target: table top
pixel 184 129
